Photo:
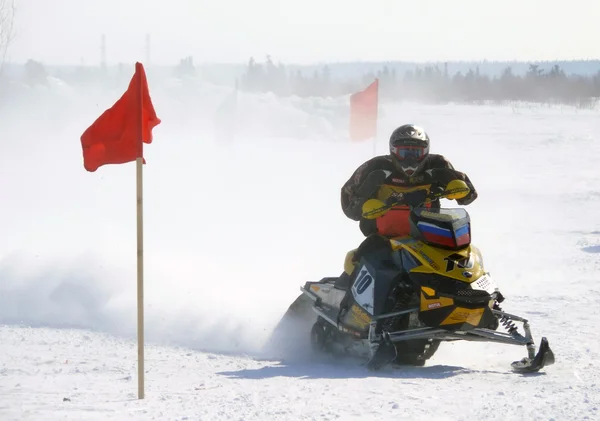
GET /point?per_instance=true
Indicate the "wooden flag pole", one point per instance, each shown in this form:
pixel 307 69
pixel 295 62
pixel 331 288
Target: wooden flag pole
pixel 140 277
pixel 139 162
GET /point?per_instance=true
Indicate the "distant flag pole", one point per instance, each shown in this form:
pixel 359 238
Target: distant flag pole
pixel 117 137
pixel 364 114
pixel 225 118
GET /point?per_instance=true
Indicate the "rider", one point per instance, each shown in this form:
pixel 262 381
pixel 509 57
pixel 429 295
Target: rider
pixel 403 176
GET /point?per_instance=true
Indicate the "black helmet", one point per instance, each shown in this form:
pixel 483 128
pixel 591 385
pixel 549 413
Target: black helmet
pixel 409 146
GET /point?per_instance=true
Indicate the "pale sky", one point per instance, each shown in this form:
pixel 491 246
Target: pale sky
pixel 306 31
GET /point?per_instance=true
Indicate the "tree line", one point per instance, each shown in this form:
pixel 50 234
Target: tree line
pixel 425 83
pixel 430 83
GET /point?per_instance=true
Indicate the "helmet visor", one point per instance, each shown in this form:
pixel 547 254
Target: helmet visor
pixel 409 153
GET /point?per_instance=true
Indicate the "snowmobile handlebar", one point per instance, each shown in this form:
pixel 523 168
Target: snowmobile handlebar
pixel 454 190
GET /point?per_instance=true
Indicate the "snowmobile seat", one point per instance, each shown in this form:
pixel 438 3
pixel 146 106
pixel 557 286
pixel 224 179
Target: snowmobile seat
pixel 343 282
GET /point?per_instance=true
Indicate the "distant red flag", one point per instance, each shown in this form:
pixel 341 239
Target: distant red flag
pixel 116 136
pixel 363 112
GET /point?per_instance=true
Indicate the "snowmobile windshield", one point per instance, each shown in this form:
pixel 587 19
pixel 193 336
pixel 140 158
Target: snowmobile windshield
pixel 446 228
pixel 442 214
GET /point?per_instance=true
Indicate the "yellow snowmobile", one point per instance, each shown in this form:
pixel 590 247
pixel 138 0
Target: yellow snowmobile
pixel 399 298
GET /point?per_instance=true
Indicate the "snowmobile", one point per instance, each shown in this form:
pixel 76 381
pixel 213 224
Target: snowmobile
pixel 399 298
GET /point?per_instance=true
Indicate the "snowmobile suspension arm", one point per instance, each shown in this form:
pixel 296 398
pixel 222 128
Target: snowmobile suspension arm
pixel 479 334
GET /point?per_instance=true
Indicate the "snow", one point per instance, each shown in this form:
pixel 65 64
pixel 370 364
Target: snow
pixel 232 231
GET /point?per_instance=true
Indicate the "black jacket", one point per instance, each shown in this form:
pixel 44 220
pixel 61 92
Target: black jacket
pixel 352 201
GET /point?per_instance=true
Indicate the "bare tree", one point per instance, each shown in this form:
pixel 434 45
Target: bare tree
pixel 7 32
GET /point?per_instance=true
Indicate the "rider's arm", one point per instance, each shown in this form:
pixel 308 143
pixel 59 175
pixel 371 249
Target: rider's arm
pixel 442 162
pixel 354 193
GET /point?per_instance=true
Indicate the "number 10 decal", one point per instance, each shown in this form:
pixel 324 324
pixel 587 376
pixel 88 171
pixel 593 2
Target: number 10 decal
pixel 363 281
pixel 362 290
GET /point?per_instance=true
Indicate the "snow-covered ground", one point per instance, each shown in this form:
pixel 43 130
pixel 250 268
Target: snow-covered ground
pixel 231 232
pixel 62 374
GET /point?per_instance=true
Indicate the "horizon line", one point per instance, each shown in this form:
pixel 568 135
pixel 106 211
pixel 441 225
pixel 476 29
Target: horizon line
pixel 317 63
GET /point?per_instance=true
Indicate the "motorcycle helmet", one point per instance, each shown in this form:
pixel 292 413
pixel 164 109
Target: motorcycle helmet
pixel 409 146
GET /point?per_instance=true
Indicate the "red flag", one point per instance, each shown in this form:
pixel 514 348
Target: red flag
pixel 363 112
pixel 116 136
